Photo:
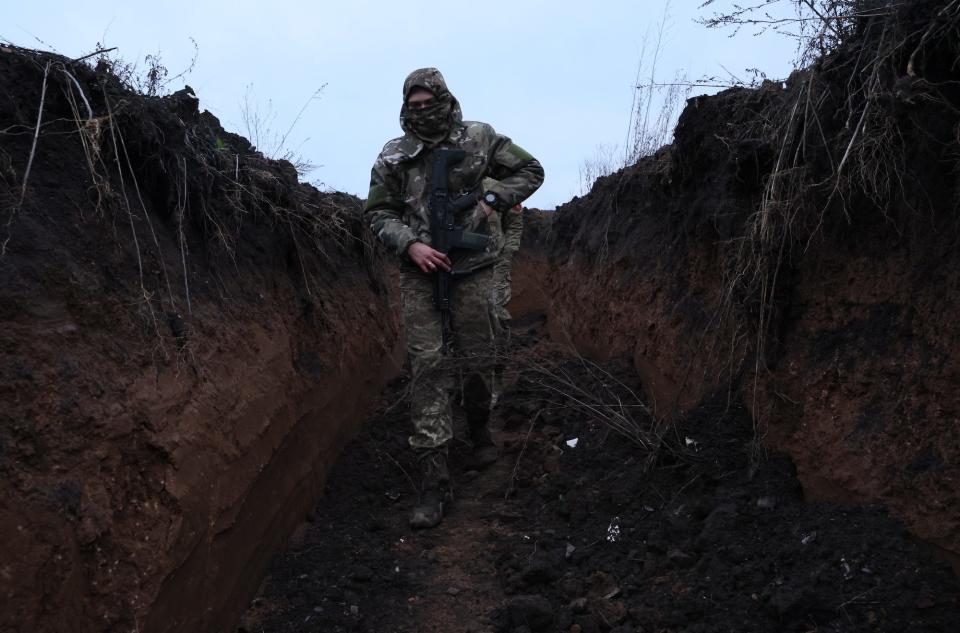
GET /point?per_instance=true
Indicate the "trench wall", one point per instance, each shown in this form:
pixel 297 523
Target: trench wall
pixel 187 338
pixel 857 372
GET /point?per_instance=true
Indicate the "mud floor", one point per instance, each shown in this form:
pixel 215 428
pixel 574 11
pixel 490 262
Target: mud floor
pixel 577 528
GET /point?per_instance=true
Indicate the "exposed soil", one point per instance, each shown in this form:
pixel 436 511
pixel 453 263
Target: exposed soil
pixel 188 336
pixel 589 538
pixel 826 303
pixel 179 364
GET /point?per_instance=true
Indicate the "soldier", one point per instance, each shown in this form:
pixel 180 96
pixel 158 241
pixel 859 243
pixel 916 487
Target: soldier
pixel 397 209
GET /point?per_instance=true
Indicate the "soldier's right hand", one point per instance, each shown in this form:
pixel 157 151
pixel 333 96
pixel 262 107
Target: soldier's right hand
pixel 427 258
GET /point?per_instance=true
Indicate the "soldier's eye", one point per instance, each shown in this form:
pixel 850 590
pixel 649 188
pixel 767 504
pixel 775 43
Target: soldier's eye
pixel 422 105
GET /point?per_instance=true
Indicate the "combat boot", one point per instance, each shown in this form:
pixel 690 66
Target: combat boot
pixel 435 490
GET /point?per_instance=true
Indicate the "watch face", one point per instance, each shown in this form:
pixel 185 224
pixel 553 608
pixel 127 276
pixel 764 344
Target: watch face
pixel 490 198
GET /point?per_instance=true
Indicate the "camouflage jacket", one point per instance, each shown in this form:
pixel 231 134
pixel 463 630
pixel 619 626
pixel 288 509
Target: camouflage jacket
pixel 397 207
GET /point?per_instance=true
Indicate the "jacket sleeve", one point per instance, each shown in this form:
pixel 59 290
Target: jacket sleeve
pixel 383 211
pixel 514 173
pixel 512 231
pixel 511 222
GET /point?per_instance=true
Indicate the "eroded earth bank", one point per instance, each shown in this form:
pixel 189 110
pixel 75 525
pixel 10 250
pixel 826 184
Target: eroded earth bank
pixel 188 337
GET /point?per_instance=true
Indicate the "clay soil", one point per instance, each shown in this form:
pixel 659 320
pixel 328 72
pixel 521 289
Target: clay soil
pixel 170 401
pixel 699 535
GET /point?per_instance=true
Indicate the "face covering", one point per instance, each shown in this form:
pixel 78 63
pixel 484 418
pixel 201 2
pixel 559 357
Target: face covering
pixel 431 123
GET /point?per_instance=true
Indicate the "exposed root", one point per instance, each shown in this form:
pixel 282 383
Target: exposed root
pixel 26 173
pixel 823 172
pixel 146 296
pixel 157 164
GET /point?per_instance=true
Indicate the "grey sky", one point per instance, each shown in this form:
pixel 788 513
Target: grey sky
pixel 554 75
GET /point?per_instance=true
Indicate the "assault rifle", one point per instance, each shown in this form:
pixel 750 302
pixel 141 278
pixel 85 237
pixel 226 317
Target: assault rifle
pixel 445 235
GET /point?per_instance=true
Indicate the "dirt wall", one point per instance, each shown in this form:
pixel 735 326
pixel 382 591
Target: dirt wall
pixel 838 332
pixel 187 338
pixel 862 394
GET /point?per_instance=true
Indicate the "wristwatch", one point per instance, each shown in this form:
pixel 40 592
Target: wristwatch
pixel 493 200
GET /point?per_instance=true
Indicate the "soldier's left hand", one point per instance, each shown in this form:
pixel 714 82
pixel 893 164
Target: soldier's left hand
pixel 487 209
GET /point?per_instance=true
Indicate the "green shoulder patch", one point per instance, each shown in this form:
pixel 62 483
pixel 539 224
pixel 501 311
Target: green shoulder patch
pixel 379 194
pixel 518 152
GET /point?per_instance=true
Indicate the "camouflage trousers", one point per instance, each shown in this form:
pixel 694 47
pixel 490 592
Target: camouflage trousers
pixel 466 371
pixel 501 293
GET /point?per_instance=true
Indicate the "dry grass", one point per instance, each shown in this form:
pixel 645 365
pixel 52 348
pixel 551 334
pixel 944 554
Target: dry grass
pixel 824 173
pixel 222 192
pixel 561 380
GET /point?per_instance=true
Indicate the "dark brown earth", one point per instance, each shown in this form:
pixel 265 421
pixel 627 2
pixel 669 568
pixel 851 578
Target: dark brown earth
pixel 554 538
pixel 161 434
pixel 188 336
pixel 838 330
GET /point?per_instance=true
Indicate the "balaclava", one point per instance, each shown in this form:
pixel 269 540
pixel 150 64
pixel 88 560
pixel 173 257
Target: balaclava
pixel 431 124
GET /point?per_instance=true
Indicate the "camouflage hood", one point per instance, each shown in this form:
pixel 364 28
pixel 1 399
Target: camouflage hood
pixel 432 124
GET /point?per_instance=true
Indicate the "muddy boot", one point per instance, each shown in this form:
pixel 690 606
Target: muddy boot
pixel 477 405
pixel 435 490
pixel 485 452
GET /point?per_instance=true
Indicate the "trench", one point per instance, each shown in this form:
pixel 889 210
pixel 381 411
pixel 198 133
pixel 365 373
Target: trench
pixel 192 375
pixel 578 528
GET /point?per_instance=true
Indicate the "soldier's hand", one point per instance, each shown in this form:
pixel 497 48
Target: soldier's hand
pixel 487 209
pixel 427 258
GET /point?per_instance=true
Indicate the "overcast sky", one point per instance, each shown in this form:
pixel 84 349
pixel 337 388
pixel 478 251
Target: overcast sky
pixel 554 75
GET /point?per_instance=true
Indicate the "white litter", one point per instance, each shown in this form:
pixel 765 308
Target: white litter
pixel 847 572
pixel 573 443
pixel 613 530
